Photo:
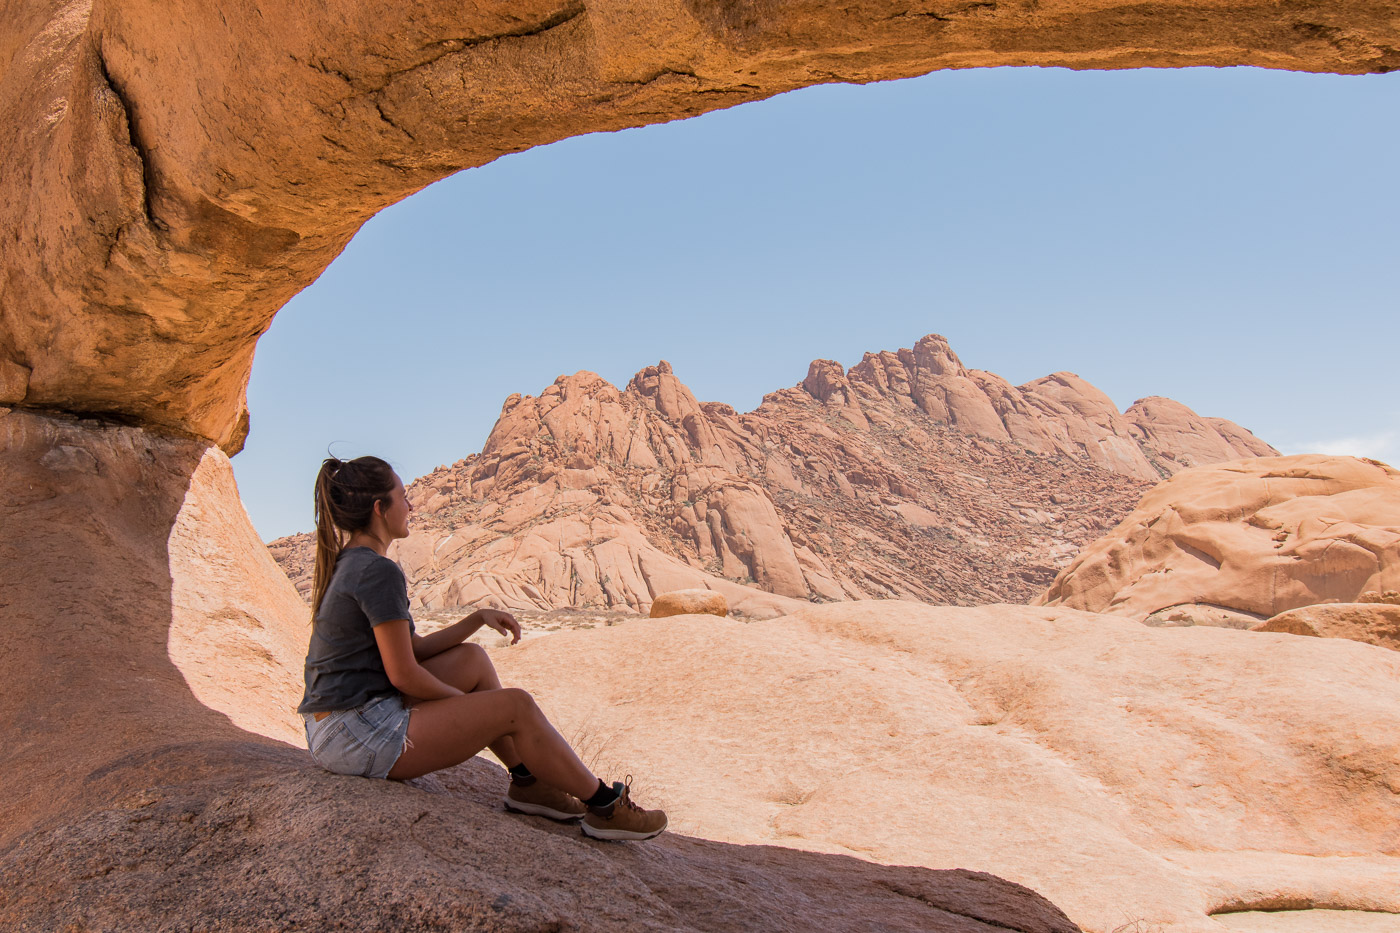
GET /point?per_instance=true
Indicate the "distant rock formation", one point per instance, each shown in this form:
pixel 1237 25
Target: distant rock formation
pixel 908 476
pixel 1238 543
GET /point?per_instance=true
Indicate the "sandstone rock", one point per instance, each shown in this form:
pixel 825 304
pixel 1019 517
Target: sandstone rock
pixel 235 624
pixel 139 610
pixel 207 189
pixel 1310 920
pixel 880 481
pixel 1203 614
pixel 1078 416
pixel 1127 773
pixel 1201 769
pixel 687 602
pixel 1059 414
pixel 1373 623
pixel 1179 438
pixel 134 594
pixel 1255 537
pixel 14 382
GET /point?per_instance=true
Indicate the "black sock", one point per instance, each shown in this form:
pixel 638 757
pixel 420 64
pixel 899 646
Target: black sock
pixel 521 775
pixel 604 796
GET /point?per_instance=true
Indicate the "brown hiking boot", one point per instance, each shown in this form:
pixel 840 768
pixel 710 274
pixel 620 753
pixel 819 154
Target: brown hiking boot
pixel 541 799
pixel 623 819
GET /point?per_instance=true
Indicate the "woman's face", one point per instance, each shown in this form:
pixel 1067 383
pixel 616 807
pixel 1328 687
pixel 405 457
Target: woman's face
pixel 396 512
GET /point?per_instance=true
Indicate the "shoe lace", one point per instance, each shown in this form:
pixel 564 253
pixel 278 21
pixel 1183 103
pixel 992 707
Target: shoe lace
pixel 624 797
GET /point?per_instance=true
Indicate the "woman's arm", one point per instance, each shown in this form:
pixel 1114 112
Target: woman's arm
pixel 405 673
pixel 427 646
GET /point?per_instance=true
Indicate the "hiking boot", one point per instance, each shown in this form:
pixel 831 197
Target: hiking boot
pixel 623 819
pixel 541 799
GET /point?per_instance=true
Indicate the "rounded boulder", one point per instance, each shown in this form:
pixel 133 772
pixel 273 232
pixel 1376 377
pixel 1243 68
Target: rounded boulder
pixel 689 602
pixel 1375 623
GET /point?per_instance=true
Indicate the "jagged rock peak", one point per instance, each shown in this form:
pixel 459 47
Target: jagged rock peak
pixel 907 476
pixel 1056 414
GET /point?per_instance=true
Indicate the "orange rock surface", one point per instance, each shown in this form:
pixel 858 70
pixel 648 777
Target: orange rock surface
pixel 689 602
pixel 900 478
pixel 155 778
pixel 851 765
pixel 1130 774
pixel 177 170
pixel 1245 540
pixel 1372 623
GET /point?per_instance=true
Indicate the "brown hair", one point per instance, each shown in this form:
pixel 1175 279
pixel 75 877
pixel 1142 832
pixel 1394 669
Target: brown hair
pixel 346 491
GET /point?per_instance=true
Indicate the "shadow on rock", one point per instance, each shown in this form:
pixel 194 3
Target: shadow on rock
pixel 131 804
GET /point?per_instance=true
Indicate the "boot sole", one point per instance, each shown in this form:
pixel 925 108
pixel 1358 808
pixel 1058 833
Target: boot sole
pixel 534 809
pixel 594 832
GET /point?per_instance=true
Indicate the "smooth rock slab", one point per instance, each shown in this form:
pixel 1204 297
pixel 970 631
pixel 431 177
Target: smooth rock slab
pixel 1311 921
pixel 1372 623
pixel 237 838
pixel 1123 771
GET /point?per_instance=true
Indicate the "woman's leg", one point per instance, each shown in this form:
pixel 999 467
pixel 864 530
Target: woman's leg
pixel 468 668
pixel 443 733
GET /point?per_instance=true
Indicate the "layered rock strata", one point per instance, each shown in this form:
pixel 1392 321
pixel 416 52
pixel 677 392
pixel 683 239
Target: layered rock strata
pixel 152 653
pixel 908 476
pixel 177 170
pixel 1238 543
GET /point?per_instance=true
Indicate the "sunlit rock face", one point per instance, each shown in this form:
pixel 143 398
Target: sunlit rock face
pixel 1375 623
pixel 176 171
pixel 906 476
pixel 1127 773
pixel 1239 542
pixel 153 654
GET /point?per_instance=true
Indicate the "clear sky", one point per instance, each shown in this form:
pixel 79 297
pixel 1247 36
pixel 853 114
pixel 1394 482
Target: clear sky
pixel 1229 238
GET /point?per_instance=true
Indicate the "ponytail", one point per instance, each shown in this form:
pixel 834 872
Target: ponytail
pixel 346 491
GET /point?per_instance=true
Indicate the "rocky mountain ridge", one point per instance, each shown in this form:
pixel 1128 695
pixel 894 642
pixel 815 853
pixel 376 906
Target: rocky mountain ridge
pixel 906 476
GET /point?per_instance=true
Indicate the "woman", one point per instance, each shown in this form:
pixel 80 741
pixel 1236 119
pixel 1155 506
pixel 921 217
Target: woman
pixel 383 701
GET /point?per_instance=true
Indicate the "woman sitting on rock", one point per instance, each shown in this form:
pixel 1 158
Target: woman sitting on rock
pixel 383 701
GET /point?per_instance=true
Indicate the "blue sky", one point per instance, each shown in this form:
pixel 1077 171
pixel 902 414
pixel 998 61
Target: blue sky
pixel 1224 237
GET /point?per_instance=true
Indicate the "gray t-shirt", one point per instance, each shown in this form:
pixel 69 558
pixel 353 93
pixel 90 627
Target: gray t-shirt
pixel 343 666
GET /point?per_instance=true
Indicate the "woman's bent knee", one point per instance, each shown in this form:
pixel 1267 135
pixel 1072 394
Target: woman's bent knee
pixel 466 654
pixel 520 701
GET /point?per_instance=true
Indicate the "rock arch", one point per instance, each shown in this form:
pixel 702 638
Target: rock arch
pixel 176 171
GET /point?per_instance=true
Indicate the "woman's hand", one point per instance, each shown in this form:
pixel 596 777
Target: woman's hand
pixel 498 621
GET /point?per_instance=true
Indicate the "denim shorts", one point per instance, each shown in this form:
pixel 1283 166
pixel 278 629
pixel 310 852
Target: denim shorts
pixel 364 741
